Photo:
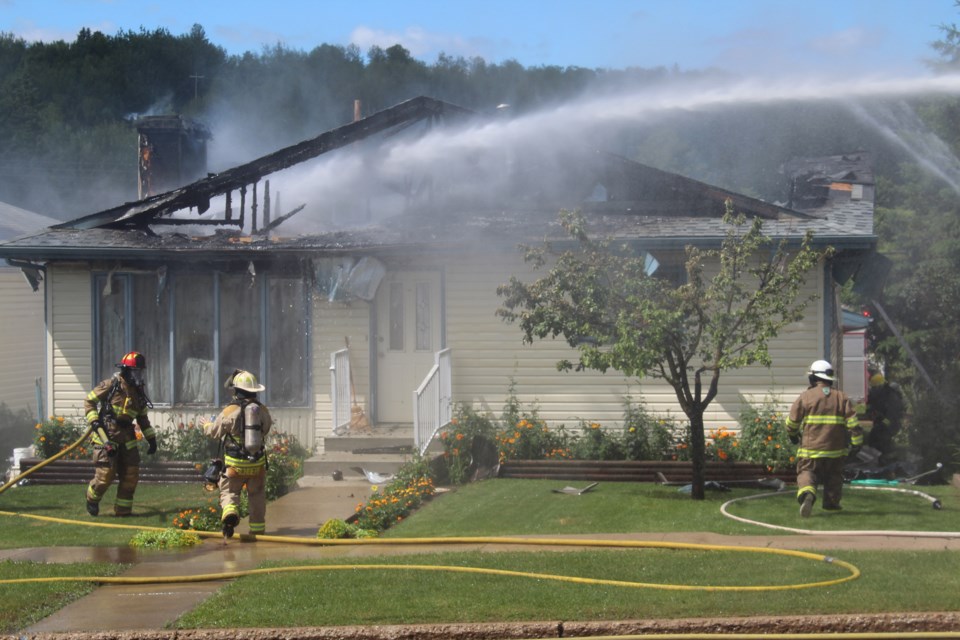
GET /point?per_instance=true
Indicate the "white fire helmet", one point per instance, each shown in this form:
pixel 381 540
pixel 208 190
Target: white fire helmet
pixel 821 369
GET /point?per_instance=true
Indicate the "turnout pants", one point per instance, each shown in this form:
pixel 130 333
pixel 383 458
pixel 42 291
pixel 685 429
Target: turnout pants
pixel 825 471
pixel 232 483
pixel 124 466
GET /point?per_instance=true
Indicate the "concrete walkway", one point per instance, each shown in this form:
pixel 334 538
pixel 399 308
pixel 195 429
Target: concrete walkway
pixel 299 514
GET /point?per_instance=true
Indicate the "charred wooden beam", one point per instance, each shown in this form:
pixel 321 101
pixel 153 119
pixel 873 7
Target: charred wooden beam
pixel 276 223
pixel 198 194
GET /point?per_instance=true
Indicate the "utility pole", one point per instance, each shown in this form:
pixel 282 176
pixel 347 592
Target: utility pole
pixel 196 79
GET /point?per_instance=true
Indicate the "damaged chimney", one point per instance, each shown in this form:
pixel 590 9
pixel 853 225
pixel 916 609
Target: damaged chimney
pixel 172 153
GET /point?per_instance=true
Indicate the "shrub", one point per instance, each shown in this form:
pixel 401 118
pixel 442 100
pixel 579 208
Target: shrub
pixel 198 519
pixel 285 457
pixel 645 437
pixel 763 436
pixel 933 432
pixel 596 443
pixel 384 508
pixel 56 434
pixel 166 539
pixel 335 529
pixel 184 439
pixel 466 430
pixel 530 439
pixel 722 445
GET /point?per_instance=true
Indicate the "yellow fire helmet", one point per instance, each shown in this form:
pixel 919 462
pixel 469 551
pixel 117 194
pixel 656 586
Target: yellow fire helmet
pixel 246 381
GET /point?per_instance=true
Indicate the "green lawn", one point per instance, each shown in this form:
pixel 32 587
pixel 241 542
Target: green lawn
pixel 155 505
pixel 529 507
pixel 891 580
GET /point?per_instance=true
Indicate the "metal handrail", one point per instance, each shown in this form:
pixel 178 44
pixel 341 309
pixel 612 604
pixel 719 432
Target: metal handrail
pixel 433 401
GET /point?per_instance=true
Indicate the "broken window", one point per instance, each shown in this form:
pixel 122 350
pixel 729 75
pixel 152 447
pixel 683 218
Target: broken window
pixel 128 318
pixel 219 322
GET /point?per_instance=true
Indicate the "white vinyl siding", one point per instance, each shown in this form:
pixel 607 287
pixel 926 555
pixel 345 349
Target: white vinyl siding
pixel 488 352
pixel 22 341
pixel 332 323
pixel 70 339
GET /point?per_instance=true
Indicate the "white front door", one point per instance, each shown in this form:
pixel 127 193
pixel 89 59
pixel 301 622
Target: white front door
pixel 408 335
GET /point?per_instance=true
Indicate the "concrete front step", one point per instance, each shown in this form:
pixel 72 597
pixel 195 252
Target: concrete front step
pixel 347 464
pixel 383 450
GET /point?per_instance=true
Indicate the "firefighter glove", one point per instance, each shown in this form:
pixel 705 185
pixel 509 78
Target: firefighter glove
pixel 97 424
pixel 110 448
pixel 854 451
pixel 153 445
pixel 795 438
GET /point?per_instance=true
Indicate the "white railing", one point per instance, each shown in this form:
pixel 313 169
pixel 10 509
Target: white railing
pixel 433 402
pixel 340 390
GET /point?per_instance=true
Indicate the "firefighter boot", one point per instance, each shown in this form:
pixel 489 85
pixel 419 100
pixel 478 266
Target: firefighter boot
pixel 93 508
pixel 806 505
pixel 229 522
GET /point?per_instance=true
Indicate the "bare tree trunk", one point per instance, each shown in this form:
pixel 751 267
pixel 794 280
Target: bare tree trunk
pixel 697 456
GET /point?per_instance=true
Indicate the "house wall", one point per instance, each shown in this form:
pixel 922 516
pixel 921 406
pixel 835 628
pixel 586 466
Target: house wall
pixel 21 342
pixel 332 322
pixel 69 339
pixel 70 358
pixel 488 353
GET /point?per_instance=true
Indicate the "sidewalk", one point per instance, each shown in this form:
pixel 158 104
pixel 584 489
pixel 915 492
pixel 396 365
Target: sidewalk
pixel 300 513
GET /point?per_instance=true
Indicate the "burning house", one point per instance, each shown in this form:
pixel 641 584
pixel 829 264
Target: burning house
pixel 375 285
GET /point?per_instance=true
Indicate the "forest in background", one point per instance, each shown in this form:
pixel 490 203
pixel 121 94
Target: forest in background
pixel 68 146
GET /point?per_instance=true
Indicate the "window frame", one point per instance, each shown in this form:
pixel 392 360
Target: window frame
pixel 267 321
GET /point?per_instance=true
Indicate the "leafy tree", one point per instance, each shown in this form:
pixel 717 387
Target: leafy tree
pixel 599 297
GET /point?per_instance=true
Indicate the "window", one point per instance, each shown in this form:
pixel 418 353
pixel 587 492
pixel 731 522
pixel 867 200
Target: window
pixel 132 315
pixel 194 330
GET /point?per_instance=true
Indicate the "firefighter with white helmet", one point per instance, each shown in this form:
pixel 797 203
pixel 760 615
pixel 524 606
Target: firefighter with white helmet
pixel 242 427
pixel 112 408
pixel 824 423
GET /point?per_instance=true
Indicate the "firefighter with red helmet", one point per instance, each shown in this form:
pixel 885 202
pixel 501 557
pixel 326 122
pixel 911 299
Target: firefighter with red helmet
pixel 114 409
pixel 241 428
pixel 824 423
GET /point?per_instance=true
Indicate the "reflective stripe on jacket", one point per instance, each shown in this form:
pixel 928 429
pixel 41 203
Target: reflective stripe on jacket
pixel 826 421
pixel 127 402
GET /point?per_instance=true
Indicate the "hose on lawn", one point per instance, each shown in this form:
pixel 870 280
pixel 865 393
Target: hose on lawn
pixel 724 509
pixel 853 572
pixel 41 465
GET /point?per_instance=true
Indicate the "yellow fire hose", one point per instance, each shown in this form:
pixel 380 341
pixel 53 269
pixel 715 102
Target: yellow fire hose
pixel 853 574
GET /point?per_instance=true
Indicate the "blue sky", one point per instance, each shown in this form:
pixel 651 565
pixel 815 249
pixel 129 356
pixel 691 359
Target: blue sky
pixel 753 37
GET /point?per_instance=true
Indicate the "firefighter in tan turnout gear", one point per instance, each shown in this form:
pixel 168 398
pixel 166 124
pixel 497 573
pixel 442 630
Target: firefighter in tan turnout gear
pixel 114 409
pixel 823 421
pixel 242 427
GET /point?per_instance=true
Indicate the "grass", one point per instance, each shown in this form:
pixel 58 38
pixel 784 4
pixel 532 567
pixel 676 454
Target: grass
pixel 530 507
pixel 24 604
pixel 891 581
pixel 155 505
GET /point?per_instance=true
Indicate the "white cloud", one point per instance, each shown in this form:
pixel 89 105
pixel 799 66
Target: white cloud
pixel 29 31
pixel 419 42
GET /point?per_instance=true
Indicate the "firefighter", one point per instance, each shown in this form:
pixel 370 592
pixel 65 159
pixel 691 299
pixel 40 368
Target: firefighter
pixel 886 407
pixel 823 422
pixel 114 409
pixel 241 428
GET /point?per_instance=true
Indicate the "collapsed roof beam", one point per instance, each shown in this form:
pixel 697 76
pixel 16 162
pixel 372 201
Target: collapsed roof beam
pixel 198 194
